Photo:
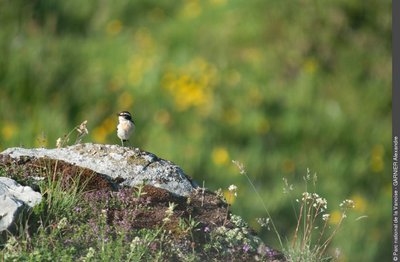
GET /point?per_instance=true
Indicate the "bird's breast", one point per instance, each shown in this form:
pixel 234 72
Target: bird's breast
pixel 125 129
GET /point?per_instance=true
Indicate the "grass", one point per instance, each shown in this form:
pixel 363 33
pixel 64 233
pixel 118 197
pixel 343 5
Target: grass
pixel 60 199
pixel 313 234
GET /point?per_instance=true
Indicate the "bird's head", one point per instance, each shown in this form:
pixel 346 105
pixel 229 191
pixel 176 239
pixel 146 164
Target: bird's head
pixel 125 115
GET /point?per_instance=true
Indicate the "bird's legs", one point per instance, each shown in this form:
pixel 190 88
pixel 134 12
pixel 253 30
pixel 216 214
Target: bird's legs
pixel 122 142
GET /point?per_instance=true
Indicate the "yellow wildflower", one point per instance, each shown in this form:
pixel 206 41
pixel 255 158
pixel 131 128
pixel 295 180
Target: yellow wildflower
pixel 8 130
pixel 310 66
pixel 191 85
pixel 114 27
pixel 106 128
pixel 360 203
pixel 229 196
pixel 220 156
pixel 99 134
pixel 335 217
pixel 191 9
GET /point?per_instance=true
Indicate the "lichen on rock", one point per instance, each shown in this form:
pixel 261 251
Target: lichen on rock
pixel 130 166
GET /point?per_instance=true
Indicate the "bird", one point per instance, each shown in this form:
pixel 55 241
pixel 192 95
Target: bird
pixel 125 127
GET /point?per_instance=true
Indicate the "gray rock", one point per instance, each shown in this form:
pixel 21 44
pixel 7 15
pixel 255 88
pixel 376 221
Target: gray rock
pixel 130 164
pixel 14 199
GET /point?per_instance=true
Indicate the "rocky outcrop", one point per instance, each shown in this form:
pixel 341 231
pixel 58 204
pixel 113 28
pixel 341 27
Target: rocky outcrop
pixel 127 166
pixel 123 191
pixel 14 199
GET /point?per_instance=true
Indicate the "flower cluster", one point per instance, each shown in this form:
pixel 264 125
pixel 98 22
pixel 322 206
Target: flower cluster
pixel 347 204
pixel 169 212
pixel 191 85
pixel 264 222
pixel 82 131
pixel 319 203
pixel 326 217
pixel 233 189
pixel 240 166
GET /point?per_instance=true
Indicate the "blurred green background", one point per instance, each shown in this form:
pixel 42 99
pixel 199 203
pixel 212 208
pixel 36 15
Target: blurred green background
pixel 281 86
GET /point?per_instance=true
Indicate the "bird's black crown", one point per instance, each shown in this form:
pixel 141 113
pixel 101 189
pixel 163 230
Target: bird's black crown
pixel 126 115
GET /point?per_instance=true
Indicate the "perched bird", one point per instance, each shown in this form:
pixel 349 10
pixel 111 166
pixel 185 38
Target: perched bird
pixel 125 127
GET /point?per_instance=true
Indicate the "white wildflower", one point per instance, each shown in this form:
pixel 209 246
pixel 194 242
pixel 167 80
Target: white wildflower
pixel 263 222
pixel 169 212
pixel 62 223
pixel 288 187
pixel 347 204
pixel 82 129
pixel 240 166
pixel 306 196
pixel 322 202
pixel 59 142
pixel 90 254
pixel 233 189
pixel 326 217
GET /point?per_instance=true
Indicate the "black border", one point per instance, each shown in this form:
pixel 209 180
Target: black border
pixel 395 126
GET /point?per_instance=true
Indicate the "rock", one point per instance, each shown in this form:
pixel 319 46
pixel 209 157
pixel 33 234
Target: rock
pixel 194 220
pixel 130 165
pixel 14 199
